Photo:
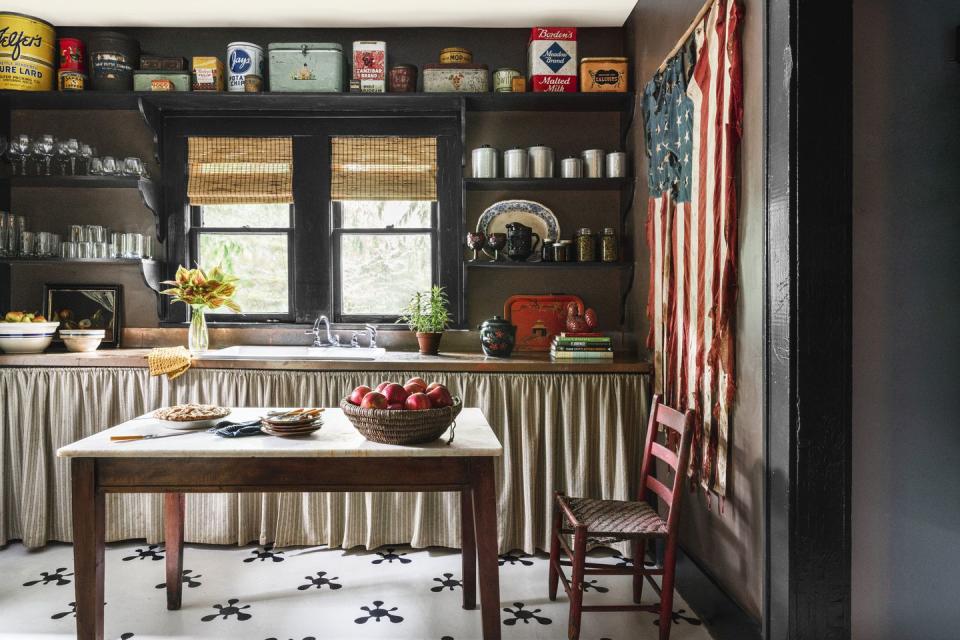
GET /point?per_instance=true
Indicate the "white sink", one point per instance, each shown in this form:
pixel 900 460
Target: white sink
pixel 293 353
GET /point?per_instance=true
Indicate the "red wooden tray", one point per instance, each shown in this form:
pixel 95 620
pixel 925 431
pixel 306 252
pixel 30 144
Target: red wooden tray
pixel 538 318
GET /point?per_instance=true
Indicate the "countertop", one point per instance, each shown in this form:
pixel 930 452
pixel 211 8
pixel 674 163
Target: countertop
pixel 392 361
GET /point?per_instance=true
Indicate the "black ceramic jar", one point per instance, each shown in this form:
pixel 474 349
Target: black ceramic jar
pixel 497 337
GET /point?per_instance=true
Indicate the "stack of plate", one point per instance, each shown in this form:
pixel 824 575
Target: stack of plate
pixel 299 422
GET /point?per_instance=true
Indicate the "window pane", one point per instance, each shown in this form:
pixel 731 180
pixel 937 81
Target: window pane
pixel 260 261
pixel 380 273
pixel 374 214
pixel 257 216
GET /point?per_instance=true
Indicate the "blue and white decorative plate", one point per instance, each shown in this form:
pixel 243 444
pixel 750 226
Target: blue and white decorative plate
pixel 497 216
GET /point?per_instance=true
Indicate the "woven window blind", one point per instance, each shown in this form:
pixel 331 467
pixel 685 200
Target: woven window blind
pixel 383 168
pixel 239 170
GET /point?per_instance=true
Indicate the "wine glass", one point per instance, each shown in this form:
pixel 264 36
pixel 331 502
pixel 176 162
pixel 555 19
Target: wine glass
pixel 109 165
pixel 496 242
pixel 132 167
pixel 73 149
pixel 475 241
pixel 86 153
pixel 42 149
pixel 62 153
pixel 18 151
pixel 95 167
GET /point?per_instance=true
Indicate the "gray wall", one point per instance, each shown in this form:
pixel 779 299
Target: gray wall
pixel 906 349
pixel 728 545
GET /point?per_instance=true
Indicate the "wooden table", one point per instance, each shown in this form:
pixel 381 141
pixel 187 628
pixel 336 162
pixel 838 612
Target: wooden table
pixel 336 458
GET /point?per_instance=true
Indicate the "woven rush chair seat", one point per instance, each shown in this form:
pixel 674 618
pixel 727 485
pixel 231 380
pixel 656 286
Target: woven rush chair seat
pixel 615 518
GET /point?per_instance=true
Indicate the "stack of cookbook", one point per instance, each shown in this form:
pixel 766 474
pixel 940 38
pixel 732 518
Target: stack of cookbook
pixel 581 346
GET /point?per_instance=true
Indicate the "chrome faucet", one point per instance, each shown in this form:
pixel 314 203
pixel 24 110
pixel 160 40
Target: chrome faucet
pixel 371 335
pixel 333 340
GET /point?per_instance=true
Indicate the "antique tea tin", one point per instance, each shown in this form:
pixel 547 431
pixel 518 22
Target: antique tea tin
pixel 207 73
pixel 503 79
pixel 111 58
pixel 71 80
pixel 483 161
pixel 161 81
pixel 370 65
pixel 603 75
pixel 243 59
pixel 27 53
pixel 72 56
pixel 455 55
pixel 467 78
pixel 403 78
pixel 306 66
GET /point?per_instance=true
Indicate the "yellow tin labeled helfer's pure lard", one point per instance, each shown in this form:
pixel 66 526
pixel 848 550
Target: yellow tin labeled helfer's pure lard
pixel 27 53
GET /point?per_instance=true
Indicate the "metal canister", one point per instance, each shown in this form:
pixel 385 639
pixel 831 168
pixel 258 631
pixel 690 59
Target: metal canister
pixel 455 55
pixel 515 163
pixel 243 59
pixel 617 164
pixel 72 56
pixel 28 50
pixel 593 163
pixel 608 245
pixel 483 161
pixel 541 161
pixel 571 167
pixel 561 251
pixel 71 80
pixel 503 79
pixel 546 250
pixel 111 59
pixel 586 245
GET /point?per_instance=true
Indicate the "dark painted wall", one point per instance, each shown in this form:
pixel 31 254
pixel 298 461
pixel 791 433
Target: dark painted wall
pixel 906 300
pixel 728 545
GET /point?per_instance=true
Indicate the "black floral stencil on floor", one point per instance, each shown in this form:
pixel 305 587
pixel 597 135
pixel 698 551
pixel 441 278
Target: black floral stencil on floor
pixel 678 617
pixel 447 581
pixel 191 581
pixel 591 585
pixel 377 613
pixel 512 558
pixel 265 552
pixel 319 581
pixel 226 611
pixel 623 561
pixel 58 577
pixel 126 636
pixel 64 614
pixel 390 556
pixel 153 552
pixel 524 615
pixel 304 638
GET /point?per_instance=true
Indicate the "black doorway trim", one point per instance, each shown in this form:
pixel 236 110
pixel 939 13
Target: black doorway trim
pixel 808 318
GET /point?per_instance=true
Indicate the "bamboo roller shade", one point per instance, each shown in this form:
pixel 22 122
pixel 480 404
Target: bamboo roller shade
pixel 383 168
pixel 239 170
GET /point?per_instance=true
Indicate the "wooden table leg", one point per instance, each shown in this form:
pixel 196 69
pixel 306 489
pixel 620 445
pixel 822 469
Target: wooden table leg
pixel 173 510
pixel 468 549
pixel 88 535
pixel 485 515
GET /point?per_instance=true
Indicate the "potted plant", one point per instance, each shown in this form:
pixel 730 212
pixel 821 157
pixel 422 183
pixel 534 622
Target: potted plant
pixel 427 315
pixel 201 291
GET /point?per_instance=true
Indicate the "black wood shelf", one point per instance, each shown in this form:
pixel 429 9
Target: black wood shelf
pixel 546 184
pixel 484 263
pixel 85 182
pixel 76 261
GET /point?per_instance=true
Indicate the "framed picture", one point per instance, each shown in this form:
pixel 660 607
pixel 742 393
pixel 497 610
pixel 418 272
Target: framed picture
pixel 85 306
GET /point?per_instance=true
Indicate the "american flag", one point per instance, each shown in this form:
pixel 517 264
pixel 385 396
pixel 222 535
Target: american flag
pixel 693 115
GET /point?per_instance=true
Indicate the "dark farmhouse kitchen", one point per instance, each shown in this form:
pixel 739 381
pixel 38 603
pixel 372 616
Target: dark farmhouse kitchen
pixel 590 320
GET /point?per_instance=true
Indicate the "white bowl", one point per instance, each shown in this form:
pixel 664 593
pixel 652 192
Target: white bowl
pixel 81 344
pixel 26 337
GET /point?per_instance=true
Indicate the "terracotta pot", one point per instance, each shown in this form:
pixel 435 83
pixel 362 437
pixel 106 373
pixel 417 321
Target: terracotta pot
pixel 429 343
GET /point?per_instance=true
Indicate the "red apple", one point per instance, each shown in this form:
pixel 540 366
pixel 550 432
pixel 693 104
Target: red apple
pixel 395 406
pixel 357 396
pixel 434 385
pixel 374 400
pixel 382 386
pixel 417 379
pixel 439 397
pixel 395 393
pixel 414 387
pixel 418 402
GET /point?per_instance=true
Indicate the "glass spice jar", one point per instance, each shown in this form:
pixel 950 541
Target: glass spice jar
pixel 561 251
pixel 608 245
pixel 586 245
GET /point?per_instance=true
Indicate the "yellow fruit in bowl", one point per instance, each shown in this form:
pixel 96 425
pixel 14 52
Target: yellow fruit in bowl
pixel 13 316
pixel 39 318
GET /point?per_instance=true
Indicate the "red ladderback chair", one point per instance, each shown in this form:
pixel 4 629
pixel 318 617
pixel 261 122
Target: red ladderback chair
pixel 604 521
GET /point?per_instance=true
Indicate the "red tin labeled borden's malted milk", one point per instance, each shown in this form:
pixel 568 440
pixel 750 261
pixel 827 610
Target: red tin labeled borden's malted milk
pixel 552 55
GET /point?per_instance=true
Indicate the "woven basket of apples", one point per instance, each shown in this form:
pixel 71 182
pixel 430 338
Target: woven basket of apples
pixel 393 413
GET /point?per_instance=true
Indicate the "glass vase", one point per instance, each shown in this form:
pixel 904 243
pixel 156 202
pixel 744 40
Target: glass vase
pixel 198 338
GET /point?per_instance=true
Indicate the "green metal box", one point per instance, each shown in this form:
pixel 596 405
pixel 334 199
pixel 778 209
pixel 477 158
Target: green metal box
pixel 305 66
pixel 143 80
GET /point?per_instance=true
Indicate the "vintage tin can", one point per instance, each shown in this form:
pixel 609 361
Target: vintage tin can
pixel 483 162
pixel 464 78
pixel 593 163
pixel 515 163
pixel 252 83
pixel 243 59
pixel 552 59
pixel 207 73
pixel 603 75
pixel 306 66
pixel 518 85
pixel 111 60
pixel 161 81
pixel 561 251
pixel 456 55
pixel 370 65
pixel 162 63
pixel 571 167
pixel 616 164
pixel 503 79
pixel 72 57
pixel 541 161
pixel 68 80
pixel 546 250
pixel 28 53
pixel 403 78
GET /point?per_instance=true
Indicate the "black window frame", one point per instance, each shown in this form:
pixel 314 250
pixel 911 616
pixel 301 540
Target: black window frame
pixel 312 280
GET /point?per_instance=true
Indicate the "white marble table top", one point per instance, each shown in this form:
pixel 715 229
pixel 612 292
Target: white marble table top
pixel 337 439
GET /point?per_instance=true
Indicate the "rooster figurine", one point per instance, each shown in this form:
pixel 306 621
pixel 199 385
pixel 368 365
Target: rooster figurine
pixel 577 323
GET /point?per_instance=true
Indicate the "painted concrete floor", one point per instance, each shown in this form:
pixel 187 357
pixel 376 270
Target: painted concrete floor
pixel 306 593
